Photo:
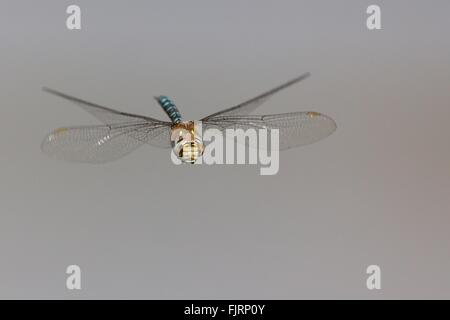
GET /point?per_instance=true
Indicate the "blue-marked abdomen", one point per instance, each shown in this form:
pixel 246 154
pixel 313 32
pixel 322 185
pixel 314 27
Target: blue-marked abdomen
pixel 170 108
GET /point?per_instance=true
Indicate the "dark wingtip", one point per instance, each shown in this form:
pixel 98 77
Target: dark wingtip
pixel 304 76
pixel 52 91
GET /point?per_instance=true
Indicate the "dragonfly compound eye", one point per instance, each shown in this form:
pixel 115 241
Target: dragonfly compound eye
pixel 189 151
pixel 186 142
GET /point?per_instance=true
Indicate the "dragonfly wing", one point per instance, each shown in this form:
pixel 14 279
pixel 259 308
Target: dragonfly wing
pixel 295 129
pixel 99 144
pixel 104 114
pixel 250 105
pixel 158 137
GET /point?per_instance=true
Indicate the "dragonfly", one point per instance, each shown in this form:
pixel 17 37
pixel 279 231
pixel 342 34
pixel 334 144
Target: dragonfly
pixel 121 132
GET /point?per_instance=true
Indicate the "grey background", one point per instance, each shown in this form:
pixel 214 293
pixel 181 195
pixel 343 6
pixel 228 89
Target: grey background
pixel 375 192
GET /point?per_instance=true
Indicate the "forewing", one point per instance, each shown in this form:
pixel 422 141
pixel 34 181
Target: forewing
pixel 295 129
pixel 99 144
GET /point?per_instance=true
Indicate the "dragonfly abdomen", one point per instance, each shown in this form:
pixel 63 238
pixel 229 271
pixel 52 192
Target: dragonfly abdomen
pixel 170 108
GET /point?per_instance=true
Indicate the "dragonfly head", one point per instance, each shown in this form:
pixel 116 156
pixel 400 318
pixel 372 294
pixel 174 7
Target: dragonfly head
pixel 187 141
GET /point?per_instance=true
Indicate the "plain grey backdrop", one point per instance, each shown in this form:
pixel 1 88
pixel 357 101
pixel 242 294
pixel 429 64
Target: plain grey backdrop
pixel 377 191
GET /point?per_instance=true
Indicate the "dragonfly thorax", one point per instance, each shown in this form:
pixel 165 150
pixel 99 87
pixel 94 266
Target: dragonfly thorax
pixel 187 141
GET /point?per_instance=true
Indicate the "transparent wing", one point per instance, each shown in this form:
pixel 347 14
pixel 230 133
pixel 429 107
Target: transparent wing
pixel 295 129
pixel 250 105
pixel 102 143
pixel 147 130
pixel 104 114
pixel 160 136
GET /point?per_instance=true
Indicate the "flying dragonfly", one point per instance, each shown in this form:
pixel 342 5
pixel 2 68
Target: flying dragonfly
pixel 123 132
